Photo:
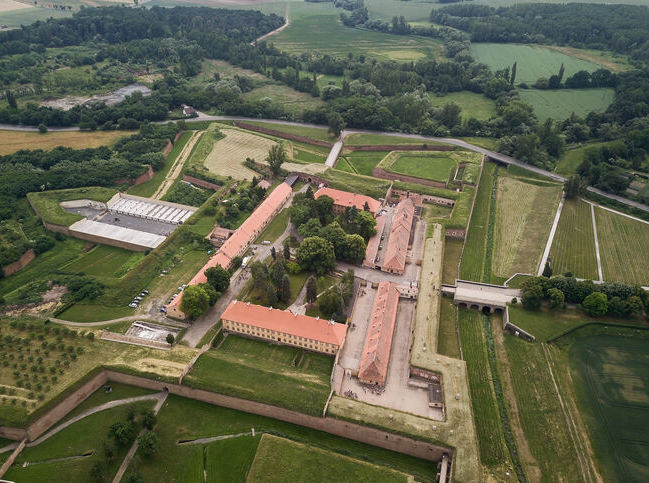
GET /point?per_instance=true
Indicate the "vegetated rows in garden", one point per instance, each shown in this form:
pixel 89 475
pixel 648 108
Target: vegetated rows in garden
pixel 560 104
pixel 105 261
pixel 493 452
pixel 185 419
pixel 610 376
pixel 540 412
pixel 573 247
pixel 279 459
pixel 623 247
pixel 473 258
pixel 524 216
pixel 240 367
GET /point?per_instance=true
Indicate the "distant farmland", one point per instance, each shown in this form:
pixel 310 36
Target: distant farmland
pixel 560 104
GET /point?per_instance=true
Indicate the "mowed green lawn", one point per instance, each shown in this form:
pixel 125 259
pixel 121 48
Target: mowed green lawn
pixel 229 460
pixel 433 167
pixel 624 247
pixel 472 104
pixel 572 158
pixel 360 162
pixel 610 374
pixel 573 247
pixel 325 34
pixel 278 375
pixel 280 460
pixel 533 61
pixel 275 228
pixel 560 104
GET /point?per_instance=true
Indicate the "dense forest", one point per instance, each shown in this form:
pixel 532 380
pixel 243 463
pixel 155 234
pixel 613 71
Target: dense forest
pixel 620 28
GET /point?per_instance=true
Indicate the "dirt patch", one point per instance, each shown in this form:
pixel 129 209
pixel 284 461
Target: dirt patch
pixel 596 59
pixel 159 366
pixel 10 5
pixel 112 98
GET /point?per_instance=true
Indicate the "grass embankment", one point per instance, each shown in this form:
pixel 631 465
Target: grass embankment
pixel 280 460
pixel 230 459
pixel 360 139
pixel 493 450
pixel 360 162
pixel 320 134
pixel 573 247
pixel 46 203
pixel 573 157
pixel 431 167
pixel 82 442
pixel 12 141
pixel 278 375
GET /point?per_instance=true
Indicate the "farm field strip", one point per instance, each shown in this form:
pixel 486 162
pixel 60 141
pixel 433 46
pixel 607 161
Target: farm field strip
pixel 573 247
pixel 623 247
pixel 12 141
pixel 560 104
pixel 228 154
pixel 597 252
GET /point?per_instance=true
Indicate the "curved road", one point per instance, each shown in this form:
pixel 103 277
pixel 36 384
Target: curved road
pixel 503 158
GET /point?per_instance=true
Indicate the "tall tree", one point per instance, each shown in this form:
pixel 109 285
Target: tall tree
pixel 276 157
pixel 285 289
pixel 512 79
pixel 311 290
pixel 195 301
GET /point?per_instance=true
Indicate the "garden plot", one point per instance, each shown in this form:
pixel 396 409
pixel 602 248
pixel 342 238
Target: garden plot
pixel 151 332
pixel 524 214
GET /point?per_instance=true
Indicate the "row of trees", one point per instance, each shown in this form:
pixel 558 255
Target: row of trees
pixel 615 299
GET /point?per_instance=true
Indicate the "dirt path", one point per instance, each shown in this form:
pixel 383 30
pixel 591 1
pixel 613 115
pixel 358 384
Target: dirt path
pixel 162 397
pixel 532 470
pixel 277 30
pixel 177 167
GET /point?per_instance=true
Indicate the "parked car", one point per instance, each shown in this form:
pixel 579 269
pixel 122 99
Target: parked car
pixel 132 305
pixel 163 310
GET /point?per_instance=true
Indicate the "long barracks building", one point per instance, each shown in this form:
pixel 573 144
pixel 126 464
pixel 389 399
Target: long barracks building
pixel 284 327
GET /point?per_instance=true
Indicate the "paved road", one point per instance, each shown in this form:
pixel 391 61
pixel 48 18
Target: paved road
pixel 334 153
pixel 455 142
pixel 120 319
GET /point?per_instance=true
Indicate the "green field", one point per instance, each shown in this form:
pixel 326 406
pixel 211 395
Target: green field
pixel 280 460
pixel 533 61
pixel 278 375
pixel 493 452
pixel 525 210
pixel 472 104
pixel 610 374
pixel 106 261
pixel 379 139
pixel 325 34
pixel 230 459
pixel 538 408
pixel 360 162
pixel 473 259
pixel 573 247
pixel 623 246
pixel 560 104
pixel 448 343
pixel 433 167
pixel 26 16
pixel 82 442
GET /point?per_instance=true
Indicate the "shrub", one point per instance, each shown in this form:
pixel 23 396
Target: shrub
pixel 596 304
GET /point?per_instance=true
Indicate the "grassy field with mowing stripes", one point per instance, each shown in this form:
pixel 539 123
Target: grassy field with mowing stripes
pixel 573 247
pixel 624 247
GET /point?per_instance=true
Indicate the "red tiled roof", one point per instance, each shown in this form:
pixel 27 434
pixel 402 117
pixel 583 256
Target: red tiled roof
pixel 245 234
pixel 346 199
pixel 395 255
pixel 374 242
pixel 376 352
pixel 284 321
